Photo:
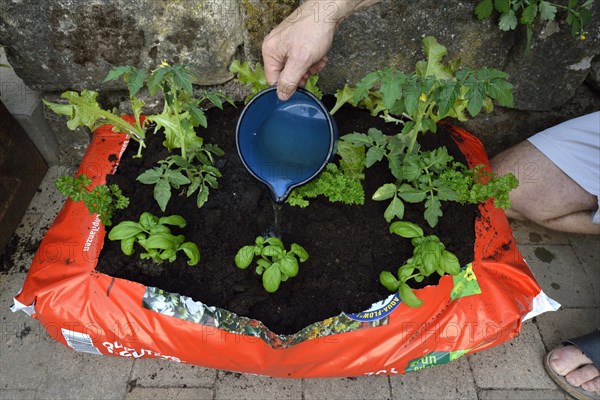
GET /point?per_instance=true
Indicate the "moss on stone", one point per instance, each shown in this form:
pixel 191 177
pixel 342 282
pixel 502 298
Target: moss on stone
pixel 261 16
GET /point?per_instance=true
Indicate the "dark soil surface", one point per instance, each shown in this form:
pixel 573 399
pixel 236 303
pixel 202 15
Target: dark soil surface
pixel 348 245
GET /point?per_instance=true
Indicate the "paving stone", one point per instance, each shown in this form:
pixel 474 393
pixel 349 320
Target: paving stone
pixel 231 385
pixel 522 395
pixel 369 387
pixel 516 364
pixel 24 394
pixel 75 375
pixel 163 373
pixel 566 324
pixel 25 347
pixel 169 393
pixel 560 274
pixel 587 249
pixel 450 381
pixel 526 232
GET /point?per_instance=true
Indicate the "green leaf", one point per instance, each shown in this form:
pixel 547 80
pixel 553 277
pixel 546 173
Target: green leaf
pixel 271 278
pixel 161 241
pixel 529 14
pixel 272 251
pixel 127 245
pixel 405 271
pixel 450 262
pixel 148 221
pixel 125 230
pixel 430 256
pixel 135 80
pixel 288 265
pixel 410 170
pixel 150 176
pixel 388 280
pixel 508 21
pixel 391 87
pixel 406 229
pixel 352 159
pixel 446 98
pixel 192 252
pixel 410 194
pixel 202 196
pixel 342 97
pixel 547 11
pixel 311 86
pixel 244 257
pixel 176 179
pixel 363 86
pixel 501 91
pixel 378 137
pixel 395 209
pixel 198 117
pixel 502 6
pixel 475 97
pixel 300 252
pixel 275 241
pixel 408 296
pixel 176 220
pixel 162 193
pixel 357 139
pixel 374 154
pixel 433 210
pixel 385 192
pixel 116 72
pixel 262 264
pixel 435 52
pixel 484 9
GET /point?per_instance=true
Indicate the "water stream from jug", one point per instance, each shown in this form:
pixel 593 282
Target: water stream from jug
pixel 277 212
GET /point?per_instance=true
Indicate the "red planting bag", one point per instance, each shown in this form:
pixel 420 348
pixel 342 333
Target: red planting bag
pixel 92 312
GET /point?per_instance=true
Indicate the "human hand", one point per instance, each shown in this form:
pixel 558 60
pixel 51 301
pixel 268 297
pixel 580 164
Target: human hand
pixel 297 48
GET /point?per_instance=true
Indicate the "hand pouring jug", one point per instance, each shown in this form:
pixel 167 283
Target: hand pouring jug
pixel 285 144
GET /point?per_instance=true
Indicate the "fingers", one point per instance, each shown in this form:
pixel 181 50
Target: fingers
pixel 286 86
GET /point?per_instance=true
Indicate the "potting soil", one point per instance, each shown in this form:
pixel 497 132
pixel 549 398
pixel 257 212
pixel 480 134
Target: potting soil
pixel 348 245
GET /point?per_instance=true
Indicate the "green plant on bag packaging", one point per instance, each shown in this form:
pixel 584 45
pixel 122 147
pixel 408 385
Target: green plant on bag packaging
pixel 181 116
pixel 433 92
pixel 274 263
pixel 429 256
pixel 155 237
pixel 101 199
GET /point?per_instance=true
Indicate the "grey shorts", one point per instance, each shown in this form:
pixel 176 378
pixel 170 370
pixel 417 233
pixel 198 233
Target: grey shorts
pixel 574 146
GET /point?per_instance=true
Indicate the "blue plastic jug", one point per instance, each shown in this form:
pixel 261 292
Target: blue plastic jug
pixel 285 144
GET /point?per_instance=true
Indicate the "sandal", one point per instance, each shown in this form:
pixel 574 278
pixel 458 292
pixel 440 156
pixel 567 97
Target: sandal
pixel 590 346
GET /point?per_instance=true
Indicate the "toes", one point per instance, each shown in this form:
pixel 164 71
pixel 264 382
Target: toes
pixel 592 385
pixel 583 374
pixel 567 359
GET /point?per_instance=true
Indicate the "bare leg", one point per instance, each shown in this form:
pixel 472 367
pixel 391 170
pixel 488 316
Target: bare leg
pixel 546 195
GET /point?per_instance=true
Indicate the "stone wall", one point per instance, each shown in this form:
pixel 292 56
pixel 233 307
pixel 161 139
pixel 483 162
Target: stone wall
pixel 57 45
